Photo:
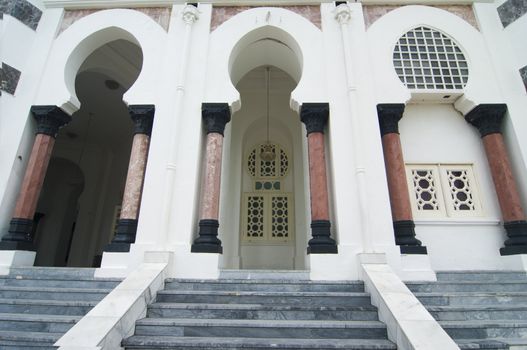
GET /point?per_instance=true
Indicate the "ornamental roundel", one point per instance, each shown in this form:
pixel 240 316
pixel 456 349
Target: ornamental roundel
pixel 425 58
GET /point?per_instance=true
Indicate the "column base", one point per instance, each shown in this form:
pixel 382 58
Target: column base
pixel 517 242
pixel 207 241
pixel 321 243
pixel 405 237
pixel 19 236
pixel 124 236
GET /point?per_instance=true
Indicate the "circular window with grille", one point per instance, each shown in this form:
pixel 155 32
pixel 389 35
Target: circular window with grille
pixel 425 58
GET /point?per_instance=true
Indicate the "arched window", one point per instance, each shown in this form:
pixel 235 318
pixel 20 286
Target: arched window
pixel 425 58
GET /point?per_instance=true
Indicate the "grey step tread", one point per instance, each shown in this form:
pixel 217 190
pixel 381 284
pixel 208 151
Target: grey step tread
pixel 418 283
pixel 466 344
pixel 64 279
pixel 447 294
pixel 30 336
pixel 39 318
pixel 261 281
pixel 256 343
pixel 56 289
pixel 260 307
pixel 258 323
pixel 64 303
pixel 262 293
pixel 490 307
pixel 484 324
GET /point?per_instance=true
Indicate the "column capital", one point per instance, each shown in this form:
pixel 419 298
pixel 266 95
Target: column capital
pixel 215 116
pixel 143 118
pixel 190 14
pixel 49 119
pixel 389 115
pixel 314 116
pixel 343 13
pixel 487 118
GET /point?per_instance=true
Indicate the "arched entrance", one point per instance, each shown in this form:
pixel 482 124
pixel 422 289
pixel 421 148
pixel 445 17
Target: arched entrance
pixel 269 199
pixel 96 144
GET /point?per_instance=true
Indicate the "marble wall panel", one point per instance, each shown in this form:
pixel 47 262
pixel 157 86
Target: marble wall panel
pixel 374 12
pixel 22 10
pixel 9 78
pixel 159 14
pixel 221 14
pixel 511 10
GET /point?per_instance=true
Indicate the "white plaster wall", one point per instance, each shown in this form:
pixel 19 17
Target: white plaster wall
pixel 437 133
pixel 16 126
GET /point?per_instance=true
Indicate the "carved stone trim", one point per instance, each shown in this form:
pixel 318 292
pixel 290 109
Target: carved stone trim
pixel 215 116
pixel 49 119
pixel 487 118
pixel 143 118
pixel 314 116
pixel 389 115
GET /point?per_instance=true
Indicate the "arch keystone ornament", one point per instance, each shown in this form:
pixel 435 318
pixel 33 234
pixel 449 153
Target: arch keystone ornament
pixel 315 117
pixel 143 118
pixel 487 118
pixel 403 224
pixel 215 116
pixel 49 120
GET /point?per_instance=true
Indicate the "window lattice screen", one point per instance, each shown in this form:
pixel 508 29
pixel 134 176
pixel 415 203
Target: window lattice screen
pixel 425 58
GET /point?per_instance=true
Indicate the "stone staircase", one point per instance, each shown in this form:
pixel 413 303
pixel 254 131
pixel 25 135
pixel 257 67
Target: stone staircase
pixel 478 309
pixel 260 310
pixel 39 304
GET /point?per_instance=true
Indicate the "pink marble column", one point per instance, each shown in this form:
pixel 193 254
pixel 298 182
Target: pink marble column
pixel 403 224
pixel 315 117
pixel 142 116
pixel 487 118
pixel 49 120
pixel 215 116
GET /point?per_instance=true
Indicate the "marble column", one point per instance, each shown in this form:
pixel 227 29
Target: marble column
pixel 143 117
pixel 49 120
pixel 403 223
pixel 215 116
pixel 487 118
pixel 315 117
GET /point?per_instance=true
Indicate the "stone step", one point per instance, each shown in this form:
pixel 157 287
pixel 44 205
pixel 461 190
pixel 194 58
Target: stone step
pixel 37 323
pixel 290 298
pixel 13 281
pixel 467 286
pixel 155 327
pixel 14 340
pixel 263 312
pixel 299 275
pixel 487 344
pixel 53 293
pixel 46 307
pixel 485 329
pixel 200 343
pixel 483 312
pixel 471 299
pixel 485 276
pixel 265 285
pixel 62 273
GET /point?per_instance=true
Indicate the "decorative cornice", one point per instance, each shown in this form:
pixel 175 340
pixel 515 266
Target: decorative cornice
pixel 49 119
pixel 314 116
pixel 215 116
pixel 190 14
pixel 389 115
pixel 143 118
pixel 89 4
pixel 487 118
pixel 343 13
